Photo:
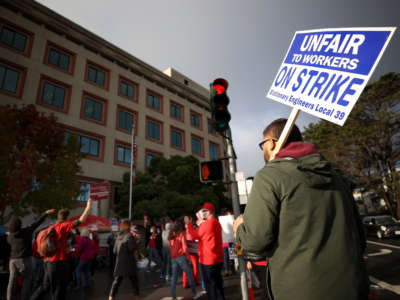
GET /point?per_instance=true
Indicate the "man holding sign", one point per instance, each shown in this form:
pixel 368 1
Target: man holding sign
pixel 302 211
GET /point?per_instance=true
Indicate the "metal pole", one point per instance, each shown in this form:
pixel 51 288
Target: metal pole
pixel 236 208
pixel 132 170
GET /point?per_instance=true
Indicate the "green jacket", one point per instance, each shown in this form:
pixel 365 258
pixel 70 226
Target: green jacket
pixel 303 213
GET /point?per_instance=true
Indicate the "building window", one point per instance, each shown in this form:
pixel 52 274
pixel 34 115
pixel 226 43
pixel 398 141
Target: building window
pixel 85 191
pixel 197 145
pixel 60 58
pixel 150 155
pixel 211 128
pixel 88 145
pixel 154 130
pixel 177 138
pixel 11 79
pixel 54 94
pixel 214 151
pixel 125 120
pixel 154 101
pixel 123 154
pixel 128 89
pixel 15 38
pixel 94 108
pixel 177 111
pixel 97 75
pixel 195 119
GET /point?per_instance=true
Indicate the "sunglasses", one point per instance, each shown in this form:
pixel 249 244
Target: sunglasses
pixel 261 145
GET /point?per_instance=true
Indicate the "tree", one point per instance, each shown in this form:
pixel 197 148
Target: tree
pixel 38 169
pixel 171 187
pixel 367 147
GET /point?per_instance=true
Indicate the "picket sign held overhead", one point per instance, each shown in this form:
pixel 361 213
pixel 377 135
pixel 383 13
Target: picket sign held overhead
pixel 100 191
pixel 325 71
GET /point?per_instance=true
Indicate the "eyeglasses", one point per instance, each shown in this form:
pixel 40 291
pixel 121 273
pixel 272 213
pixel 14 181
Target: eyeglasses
pixel 261 145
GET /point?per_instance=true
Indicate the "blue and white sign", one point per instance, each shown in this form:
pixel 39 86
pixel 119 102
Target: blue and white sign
pixel 325 70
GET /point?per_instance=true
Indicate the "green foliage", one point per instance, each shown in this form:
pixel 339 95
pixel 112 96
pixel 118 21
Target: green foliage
pixel 171 187
pixel 367 147
pixel 38 171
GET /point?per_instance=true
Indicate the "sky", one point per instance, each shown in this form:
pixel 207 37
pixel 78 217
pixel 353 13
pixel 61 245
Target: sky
pixel 243 41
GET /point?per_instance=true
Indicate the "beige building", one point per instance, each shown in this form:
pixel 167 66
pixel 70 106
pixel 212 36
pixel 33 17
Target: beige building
pixel 96 89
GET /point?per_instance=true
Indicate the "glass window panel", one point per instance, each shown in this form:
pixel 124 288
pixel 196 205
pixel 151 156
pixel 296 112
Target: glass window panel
pixel 100 78
pixel 94 147
pixel 127 156
pixel 149 157
pixel 64 62
pixel 59 97
pixel 20 42
pixel 213 151
pixel 120 154
pixel 11 81
pixel 123 88
pixel 66 137
pixel 85 190
pixel 53 57
pixel 48 93
pixel 131 91
pixel 7 36
pixel 98 111
pixel 196 146
pixel 85 144
pixel 177 139
pixel 2 76
pixel 92 74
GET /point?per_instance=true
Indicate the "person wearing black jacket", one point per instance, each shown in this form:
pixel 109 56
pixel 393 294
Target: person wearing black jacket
pixel 20 240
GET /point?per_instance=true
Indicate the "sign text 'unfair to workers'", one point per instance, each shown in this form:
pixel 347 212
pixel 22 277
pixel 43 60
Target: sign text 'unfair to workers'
pixel 325 71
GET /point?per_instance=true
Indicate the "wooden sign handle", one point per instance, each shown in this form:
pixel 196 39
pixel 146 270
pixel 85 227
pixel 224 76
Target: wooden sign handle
pixel 286 131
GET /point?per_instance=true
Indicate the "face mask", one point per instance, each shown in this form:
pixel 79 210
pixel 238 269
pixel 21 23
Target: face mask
pixel 203 214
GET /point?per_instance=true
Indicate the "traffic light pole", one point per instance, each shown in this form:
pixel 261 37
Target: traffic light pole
pixel 236 208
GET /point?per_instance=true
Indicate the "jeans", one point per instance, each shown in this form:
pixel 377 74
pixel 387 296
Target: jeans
pixel 154 256
pixel 117 282
pixel 166 257
pixel 228 264
pixel 83 268
pixel 20 267
pixel 58 276
pixel 44 287
pixel 181 263
pixel 37 271
pixel 213 281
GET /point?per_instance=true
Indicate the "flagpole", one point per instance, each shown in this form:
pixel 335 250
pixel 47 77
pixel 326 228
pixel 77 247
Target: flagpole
pixel 132 169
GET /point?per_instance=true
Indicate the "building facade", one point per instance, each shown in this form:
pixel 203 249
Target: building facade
pixel 96 91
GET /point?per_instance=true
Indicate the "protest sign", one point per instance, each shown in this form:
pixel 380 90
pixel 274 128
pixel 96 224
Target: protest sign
pixel 227 228
pixel 325 70
pixel 100 191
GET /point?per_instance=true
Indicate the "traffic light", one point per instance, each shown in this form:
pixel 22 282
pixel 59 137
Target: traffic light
pixel 211 171
pixel 219 104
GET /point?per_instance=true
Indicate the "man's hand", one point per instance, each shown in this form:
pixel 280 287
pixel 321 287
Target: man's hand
pixel 238 221
pixel 50 211
pixel 89 203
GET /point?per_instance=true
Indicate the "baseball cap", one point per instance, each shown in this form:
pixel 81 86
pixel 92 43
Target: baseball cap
pixel 209 206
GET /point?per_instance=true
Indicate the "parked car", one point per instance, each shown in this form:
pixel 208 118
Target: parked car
pixel 381 226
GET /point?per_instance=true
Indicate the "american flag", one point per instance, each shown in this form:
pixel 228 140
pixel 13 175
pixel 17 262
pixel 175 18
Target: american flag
pixel 134 152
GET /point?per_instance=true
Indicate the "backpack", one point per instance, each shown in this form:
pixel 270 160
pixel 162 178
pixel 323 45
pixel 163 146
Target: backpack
pixel 46 245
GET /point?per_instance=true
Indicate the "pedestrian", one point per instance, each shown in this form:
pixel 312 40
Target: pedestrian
pixel 94 264
pixel 211 256
pixel 166 253
pixel 57 265
pixel 110 251
pixel 193 258
pixel 154 245
pixel 20 240
pixel 229 267
pixel 179 251
pixel 125 264
pixel 303 211
pixel 85 254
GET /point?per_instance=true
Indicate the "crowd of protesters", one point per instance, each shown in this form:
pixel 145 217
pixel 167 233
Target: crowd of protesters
pixel 173 247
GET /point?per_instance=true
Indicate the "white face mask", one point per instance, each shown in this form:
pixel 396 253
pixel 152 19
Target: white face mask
pixel 203 214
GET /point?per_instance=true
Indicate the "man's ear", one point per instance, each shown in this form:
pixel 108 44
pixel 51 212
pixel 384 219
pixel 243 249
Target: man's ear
pixel 272 145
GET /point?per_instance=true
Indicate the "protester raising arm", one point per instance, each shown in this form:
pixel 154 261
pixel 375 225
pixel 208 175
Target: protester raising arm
pixel 85 213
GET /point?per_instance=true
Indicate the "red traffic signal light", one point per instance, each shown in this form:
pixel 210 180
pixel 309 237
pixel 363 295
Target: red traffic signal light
pixel 211 171
pixel 219 104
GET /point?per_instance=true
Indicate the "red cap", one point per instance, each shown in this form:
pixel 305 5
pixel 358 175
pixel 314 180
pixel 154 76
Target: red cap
pixel 209 206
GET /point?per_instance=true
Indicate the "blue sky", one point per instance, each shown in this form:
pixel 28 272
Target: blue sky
pixel 243 41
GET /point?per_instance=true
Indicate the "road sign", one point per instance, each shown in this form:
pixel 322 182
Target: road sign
pixel 325 70
pixel 100 191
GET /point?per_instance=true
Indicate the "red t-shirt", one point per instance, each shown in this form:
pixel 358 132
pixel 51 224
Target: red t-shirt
pixel 209 235
pixel 153 240
pixel 178 246
pixel 61 231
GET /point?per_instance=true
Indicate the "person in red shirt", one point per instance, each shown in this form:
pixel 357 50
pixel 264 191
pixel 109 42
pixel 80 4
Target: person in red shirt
pixel 57 265
pixel 154 242
pixel 211 255
pixel 193 258
pixel 179 251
